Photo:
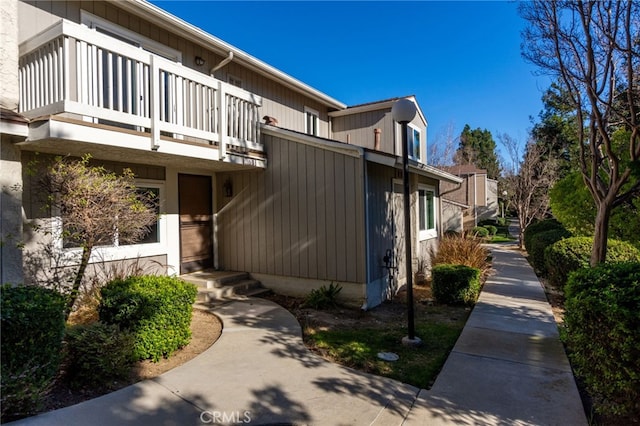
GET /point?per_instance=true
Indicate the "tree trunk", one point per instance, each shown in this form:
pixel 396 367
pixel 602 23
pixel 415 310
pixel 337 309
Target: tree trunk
pixel 599 250
pixel 75 290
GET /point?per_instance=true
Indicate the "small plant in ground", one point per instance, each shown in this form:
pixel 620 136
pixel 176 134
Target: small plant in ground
pixel 480 232
pixel 155 309
pixel 32 332
pixel 456 284
pixel 603 336
pixel 97 355
pixel 492 229
pixel 323 297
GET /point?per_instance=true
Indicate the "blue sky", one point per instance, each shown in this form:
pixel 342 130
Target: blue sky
pixel 461 59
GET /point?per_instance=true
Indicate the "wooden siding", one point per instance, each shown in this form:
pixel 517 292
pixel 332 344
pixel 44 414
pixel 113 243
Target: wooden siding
pixel 279 101
pixel 358 129
pixel 302 217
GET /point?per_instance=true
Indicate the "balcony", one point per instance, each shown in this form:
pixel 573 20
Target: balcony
pixel 71 71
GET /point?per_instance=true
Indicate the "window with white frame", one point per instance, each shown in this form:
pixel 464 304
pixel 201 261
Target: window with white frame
pixel 150 190
pixel 426 213
pixel 311 121
pixel 413 142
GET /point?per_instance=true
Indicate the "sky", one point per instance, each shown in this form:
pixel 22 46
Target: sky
pixel 461 59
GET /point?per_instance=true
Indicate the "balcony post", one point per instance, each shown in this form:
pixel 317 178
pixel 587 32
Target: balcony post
pixel 222 120
pixel 154 82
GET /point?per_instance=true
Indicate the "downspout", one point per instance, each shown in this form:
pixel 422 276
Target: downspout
pixel 224 62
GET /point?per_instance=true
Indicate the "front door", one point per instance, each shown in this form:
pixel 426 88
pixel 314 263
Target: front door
pixel 196 225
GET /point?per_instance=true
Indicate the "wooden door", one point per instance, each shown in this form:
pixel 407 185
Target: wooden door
pixel 196 224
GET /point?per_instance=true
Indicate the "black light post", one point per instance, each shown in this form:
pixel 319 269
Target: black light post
pixel 403 111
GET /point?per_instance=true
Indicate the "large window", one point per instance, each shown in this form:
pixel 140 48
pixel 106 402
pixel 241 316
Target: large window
pixel 426 213
pixel 150 191
pixel 311 121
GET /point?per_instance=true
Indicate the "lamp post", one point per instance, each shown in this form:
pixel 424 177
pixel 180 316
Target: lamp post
pixel 403 112
pixel 504 200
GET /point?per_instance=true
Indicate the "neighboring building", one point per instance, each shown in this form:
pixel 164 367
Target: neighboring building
pixel 477 195
pixel 255 171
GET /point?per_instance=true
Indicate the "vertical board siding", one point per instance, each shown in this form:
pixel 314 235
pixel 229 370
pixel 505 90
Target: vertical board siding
pixel 302 217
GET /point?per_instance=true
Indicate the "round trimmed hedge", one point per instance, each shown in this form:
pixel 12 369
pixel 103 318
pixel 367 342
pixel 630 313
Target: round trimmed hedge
pixel 571 254
pixel 538 227
pixel 602 321
pixel 155 309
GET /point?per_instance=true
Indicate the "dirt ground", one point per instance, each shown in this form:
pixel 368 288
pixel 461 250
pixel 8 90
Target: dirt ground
pixel 205 330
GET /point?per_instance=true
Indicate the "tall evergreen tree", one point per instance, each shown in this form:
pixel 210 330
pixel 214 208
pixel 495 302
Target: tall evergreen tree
pixel 478 147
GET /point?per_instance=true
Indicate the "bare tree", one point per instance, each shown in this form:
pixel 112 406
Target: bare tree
pixel 443 147
pixel 96 208
pixel 528 181
pixel 593 49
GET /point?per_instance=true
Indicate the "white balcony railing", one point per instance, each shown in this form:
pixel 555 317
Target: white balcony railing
pixel 69 68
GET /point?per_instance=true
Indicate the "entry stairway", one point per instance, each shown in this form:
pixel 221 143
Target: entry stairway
pixel 218 286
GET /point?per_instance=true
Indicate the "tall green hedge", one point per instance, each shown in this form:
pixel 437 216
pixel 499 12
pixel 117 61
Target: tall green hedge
pixel 573 253
pixel 602 323
pixel 538 242
pixel 155 309
pixel 31 341
pixel 456 284
pixel 538 227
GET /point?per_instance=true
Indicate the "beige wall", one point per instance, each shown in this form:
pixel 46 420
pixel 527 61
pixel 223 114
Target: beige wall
pixel 301 217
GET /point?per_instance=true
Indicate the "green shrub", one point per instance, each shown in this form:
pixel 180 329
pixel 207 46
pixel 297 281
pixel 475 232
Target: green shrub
pixel 31 340
pixel 323 297
pixel 97 355
pixel 155 309
pixel 492 229
pixel 573 253
pixel 455 284
pixel 480 232
pixel 602 323
pixel 537 227
pixel 501 221
pixel 539 242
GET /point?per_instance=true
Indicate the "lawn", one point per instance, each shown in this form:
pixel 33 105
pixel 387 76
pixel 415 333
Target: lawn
pixel 353 338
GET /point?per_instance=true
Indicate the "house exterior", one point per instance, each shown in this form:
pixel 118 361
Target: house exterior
pixel 477 196
pixel 254 170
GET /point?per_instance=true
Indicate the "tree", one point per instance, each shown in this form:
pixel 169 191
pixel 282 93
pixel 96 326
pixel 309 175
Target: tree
pixel 478 147
pixel 592 49
pixel 96 207
pixel 528 182
pixel 442 148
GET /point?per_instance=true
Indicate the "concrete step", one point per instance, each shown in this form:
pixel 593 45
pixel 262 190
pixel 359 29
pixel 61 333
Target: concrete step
pixel 215 279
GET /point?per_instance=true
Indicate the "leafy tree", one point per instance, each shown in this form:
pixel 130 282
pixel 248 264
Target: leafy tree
pixel 572 204
pixel 96 208
pixel 592 48
pixel 478 147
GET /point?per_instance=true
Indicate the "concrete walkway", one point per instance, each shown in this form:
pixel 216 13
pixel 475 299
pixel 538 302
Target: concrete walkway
pixel 507 368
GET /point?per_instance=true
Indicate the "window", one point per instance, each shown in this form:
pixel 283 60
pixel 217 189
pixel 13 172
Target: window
pixel 311 121
pixel 234 81
pixel 426 213
pixel 413 142
pixel 149 190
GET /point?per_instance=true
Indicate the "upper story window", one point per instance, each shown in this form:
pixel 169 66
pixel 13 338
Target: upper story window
pixel 413 143
pixel 311 121
pixel 234 81
pixel 426 212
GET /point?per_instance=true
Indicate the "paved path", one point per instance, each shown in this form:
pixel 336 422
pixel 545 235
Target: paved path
pixel 507 368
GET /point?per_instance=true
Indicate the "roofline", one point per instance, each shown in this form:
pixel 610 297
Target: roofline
pixel 315 141
pixel 376 106
pixel 415 167
pixel 174 24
